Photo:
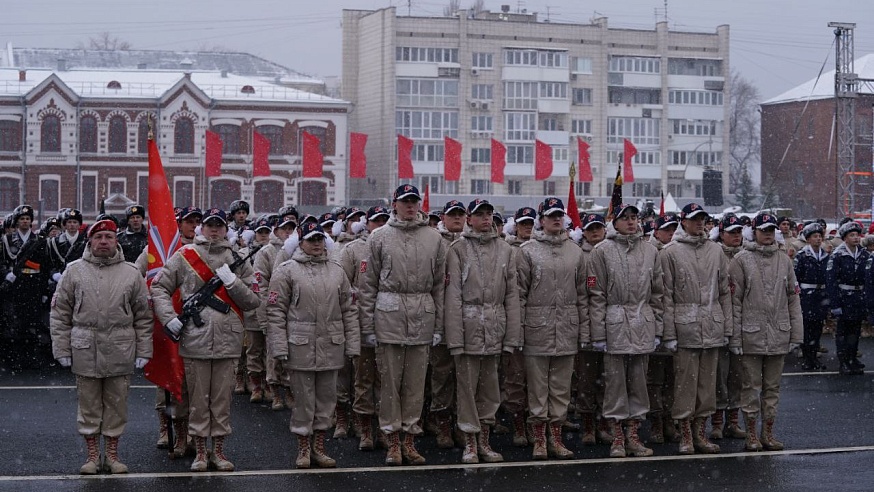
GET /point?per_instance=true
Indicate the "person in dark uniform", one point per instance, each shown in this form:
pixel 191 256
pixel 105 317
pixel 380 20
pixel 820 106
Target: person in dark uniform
pixel 68 246
pixel 811 262
pixel 134 239
pixel 239 212
pixel 845 282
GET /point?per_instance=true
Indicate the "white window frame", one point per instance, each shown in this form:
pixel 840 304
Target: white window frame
pixel 187 179
pixel 51 177
pixel 553 90
pixel 482 61
pixel 110 181
pixel 89 174
pixel 482 92
pixel 482 123
pixel 446 124
pixel 520 95
pixel 520 126
pixel 581 127
pixel 583 100
pixel 582 65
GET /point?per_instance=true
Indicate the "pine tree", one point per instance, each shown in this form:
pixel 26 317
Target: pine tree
pixel 745 195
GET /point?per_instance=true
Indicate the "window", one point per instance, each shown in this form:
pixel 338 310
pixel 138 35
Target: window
pixel 481 124
pixel 230 135
pixel 427 93
pixel 10 137
pixel 143 188
pixel 632 64
pixel 698 158
pixel 50 134
pixel 642 157
pixel 520 154
pixel 549 188
pixel 693 127
pixel 437 185
pixel 427 124
pixel 118 135
pixel 583 127
pixel 514 187
pixel 50 193
pixel 639 130
pixel 698 98
pixel 582 97
pixel 427 152
pixel 426 55
pixel 520 57
pixel 88 134
pixel 143 136
pixel 269 196
pixel 183 136
pixel 481 156
pixel 520 126
pixel 183 191
pixel 482 60
pixel 480 187
pixel 549 124
pixel 634 96
pixel 274 134
pixel 582 65
pixel 553 59
pixel 520 95
pixel 319 132
pixel 117 186
pixel 692 66
pixel 89 193
pixel 9 193
pixel 582 189
pixel 560 154
pixel 553 90
pixel 482 91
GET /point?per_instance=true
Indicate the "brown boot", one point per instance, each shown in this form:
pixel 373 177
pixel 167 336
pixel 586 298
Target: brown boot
pixel 617 446
pixel 671 432
pixel 520 440
pixel 408 450
pixel 393 455
pixel 365 428
pixel 112 464
pixel 163 422
pixel 699 437
pixel 554 446
pixel 320 456
pixel 217 458
pixel 752 443
pixel 199 464
pixel 539 434
pixel 444 430
pixel 733 429
pixel 239 384
pixel 277 403
pixel 656 429
pixel 687 445
pixel 303 452
pixel 469 456
pixel 587 434
pixel 180 431
pixel 633 445
pixel 769 442
pixel 604 433
pixel 268 389
pixel 717 422
pixel 341 428
pixel 257 395
pixel 529 427
pixel 485 448
pixel 92 446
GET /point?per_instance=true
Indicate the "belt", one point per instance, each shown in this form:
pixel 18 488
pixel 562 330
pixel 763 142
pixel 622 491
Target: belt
pixel 812 286
pixel 29 271
pixel 851 287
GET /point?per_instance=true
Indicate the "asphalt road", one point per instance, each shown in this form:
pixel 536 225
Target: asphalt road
pixel 825 421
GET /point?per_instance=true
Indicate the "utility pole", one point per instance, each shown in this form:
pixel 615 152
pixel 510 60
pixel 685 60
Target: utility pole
pixel 846 91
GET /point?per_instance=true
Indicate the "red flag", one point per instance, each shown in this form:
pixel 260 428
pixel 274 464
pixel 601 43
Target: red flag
pixel 312 156
pixel 662 206
pixel 166 368
pixel 630 152
pixel 572 209
pixel 499 161
pixel 405 161
pixel 260 155
pixel 213 154
pixel 357 158
pixel 585 167
pixel 426 202
pixel 451 159
pixel 542 160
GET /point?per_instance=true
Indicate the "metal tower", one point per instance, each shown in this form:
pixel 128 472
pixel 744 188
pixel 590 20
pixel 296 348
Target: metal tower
pixel 846 91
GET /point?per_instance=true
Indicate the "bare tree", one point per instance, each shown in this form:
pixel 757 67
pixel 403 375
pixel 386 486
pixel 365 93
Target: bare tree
pixel 105 41
pixel 477 7
pixel 744 130
pixel 450 9
pixel 213 48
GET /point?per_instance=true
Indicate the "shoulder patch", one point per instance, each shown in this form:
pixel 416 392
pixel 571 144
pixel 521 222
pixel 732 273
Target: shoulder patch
pixel 272 297
pixel 363 267
pixel 590 281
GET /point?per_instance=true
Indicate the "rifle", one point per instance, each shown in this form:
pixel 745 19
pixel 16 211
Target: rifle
pixel 195 303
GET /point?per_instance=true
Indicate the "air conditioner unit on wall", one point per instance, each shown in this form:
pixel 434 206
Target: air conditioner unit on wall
pixel 474 72
pixel 484 105
pixel 573 76
pixel 474 104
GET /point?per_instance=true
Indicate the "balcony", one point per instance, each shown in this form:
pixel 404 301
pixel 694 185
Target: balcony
pixel 559 106
pixel 535 74
pixel 553 137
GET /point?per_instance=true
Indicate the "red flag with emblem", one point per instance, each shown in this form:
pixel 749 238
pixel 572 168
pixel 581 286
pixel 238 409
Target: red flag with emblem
pixel 405 158
pixel 572 210
pixel 628 155
pixel 166 368
pixel 499 161
pixel 542 160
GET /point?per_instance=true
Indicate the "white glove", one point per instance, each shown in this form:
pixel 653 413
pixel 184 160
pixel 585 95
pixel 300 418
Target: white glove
pixel 576 235
pixel 175 326
pixel 140 362
pixel 248 236
pixel 337 228
pixel 370 340
pixel 584 345
pixel 836 312
pixel 282 357
pixel 65 361
pixel 736 350
pixel 671 345
pixel 57 277
pixel 224 272
pixel 793 346
pixel 359 226
pixel 725 341
pixel 600 346
pixel 658 341
pixel 329 243
pixel 509 349
pixel 10 277
pixel 232 236
pixel 436 339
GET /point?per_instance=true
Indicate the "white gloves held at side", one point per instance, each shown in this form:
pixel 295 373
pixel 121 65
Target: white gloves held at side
pixel 370 340
pixel 65 361
pixel 57 277
pixel 736 350
pixel 671 345
pixel 175 326
pixel 436 339
pixel 226 275
pixel 140 362
pixel 10 277
pixel 600 346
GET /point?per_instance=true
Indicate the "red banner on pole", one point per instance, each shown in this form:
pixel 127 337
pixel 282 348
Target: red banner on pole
pixel 499 161
pixel 405 160
pixel 213 155
pixel 628 155
pixel 585 166
pixel 451 159
pixel 357 157
pixel 313 160
pixel 260 155
pixel 542 160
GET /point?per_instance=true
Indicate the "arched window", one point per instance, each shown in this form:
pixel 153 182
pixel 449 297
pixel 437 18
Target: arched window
pixel 50 134
pixel 312 193
pixel 183 136
pixel 117 135
pixel 274 134
pixel 9 193
pixel 143 136
pixel 223 192
pixel 230 135
pixel 10 136
pixel 269 195
pixel 88 134
pixel 316 131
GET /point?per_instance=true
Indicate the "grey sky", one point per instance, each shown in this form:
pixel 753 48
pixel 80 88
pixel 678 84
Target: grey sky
pixel 778 44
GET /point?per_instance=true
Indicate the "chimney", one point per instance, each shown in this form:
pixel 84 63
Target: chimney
pixel 186 64
pixel 62 65
pixel 225 73
pixel 22 75
pixel 142 66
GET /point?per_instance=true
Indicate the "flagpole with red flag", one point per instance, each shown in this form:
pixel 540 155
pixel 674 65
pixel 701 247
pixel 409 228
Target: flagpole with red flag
pixel 313 160
pixel 405 158
pixel 542 160
pixel 426 202
pixel 616 197
pixel 357 157
pixel 572 209
pixel 629 152
pixel 662 206
pixel 451 159
pixel 498 161
pixel 260 155
pixel 166 368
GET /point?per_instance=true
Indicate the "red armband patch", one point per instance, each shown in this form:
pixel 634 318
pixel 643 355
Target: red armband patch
pixel 731 286
pixel 797 288
pixel 590 281
pixel 363 267
pixel 256 287
pixel 258 277
pixel 272 297
pixel 446 279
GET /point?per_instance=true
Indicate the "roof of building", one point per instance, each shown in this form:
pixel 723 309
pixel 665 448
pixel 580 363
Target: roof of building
pixel 244 64
pixel 151 84
pixel 823 87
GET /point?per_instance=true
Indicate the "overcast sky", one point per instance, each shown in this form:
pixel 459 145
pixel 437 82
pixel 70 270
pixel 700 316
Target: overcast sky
pixel 777 44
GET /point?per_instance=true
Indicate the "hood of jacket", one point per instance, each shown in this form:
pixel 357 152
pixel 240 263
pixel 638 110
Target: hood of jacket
pixel 681 236
pixel 629 240
pixel 118 257
pixel 301 257
pixel 449 236
pixel 482 237
pixel 421 220
pixel 556 240
pixel 217 246
pixel 762 250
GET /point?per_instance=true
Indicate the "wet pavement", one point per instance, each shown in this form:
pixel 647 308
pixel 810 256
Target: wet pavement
pixel 825 420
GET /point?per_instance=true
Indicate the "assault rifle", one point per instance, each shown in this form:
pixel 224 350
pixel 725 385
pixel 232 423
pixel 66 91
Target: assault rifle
pixel 204 297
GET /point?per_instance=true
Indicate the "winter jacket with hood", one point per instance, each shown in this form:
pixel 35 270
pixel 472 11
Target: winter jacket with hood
pixel 848 270
pixel 100 316
pixel 353 259
pixel 263 267
pixel 250 317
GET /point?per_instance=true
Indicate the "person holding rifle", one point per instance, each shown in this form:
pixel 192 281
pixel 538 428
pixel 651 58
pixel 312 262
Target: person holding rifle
pixel 210 344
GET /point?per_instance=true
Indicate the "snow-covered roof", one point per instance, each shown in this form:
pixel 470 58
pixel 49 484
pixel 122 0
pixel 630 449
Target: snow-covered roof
pixel 824 88
pixel 151 84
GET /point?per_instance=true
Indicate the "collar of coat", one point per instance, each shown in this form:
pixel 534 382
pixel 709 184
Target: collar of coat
pixel 629 240
pixel 760 249
pixel 482 237
pixel 118 257
pixel 845 251
pixel 301 257
pixel 275 241
pixel 217 246
pixel 730 250
pixel 555 240
pixel 681 236
pixel 421 220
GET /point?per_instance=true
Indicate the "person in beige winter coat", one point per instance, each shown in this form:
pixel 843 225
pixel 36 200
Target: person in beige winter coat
pixel 101 327
pixel 552 293
pixel 481 319
pixel 767 326
pixel 625 308
pixel 209 351
pixel 254 354
pixel 313 324
pixel 401 304
pixel 698 323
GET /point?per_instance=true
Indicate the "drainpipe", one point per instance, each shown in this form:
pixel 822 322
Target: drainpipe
pixel 78 157
pixel 22 194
